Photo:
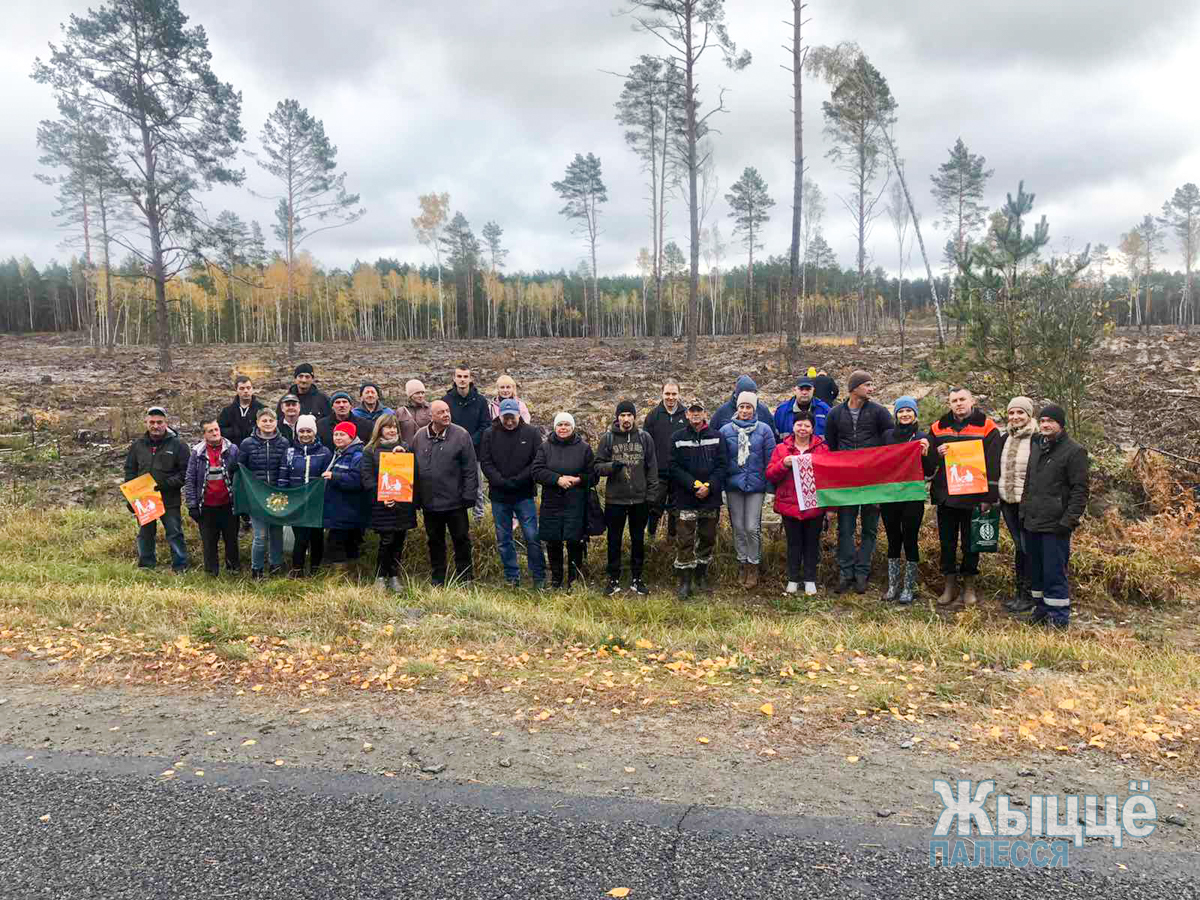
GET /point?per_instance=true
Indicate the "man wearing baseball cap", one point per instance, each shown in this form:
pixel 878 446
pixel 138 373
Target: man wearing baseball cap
pixel 506 454
pixel 164 456
pixel 312 401
pixel 802 401
pixel 290 404
pixel 698 470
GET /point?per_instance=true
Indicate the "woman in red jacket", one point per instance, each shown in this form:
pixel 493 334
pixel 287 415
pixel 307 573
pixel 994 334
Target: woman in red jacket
pixel 803 527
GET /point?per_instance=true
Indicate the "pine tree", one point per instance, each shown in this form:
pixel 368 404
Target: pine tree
pixel 582 190
pixel 1181 214
pixel 749 205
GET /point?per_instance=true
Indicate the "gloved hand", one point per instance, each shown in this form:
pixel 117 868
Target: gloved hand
pixel 618 465
pixel 194 512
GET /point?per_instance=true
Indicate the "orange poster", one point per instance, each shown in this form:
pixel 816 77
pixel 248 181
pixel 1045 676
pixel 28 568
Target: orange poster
pixel 144 497
pixel 396 476
pixel 966 470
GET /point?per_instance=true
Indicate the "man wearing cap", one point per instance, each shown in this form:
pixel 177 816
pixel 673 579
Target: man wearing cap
pixel 290 404
pixel 859 422
pixel 506 454
pixel 662 423
pixel 698 470
pixel 626 458
pixel 417 409
pixel 802 401
pixel 312 401
pixel 447 477
pixel 370 407
pixel 342 411
pixel 1053 502
pixel 237 420
pixel 164 456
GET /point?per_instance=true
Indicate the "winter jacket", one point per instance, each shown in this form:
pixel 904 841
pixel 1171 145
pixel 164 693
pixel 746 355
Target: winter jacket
pixel 262 456
pixel 199 471
pixel 494 409
pixel 506 458
pixel 347 505
pixel 785 416
pixel 418 418
pixel 325 429
pixel 726 411
pixel 947 430
pixel 288 430
pixel 1056 486
pixel 364 419
pixel 661 426
pixel 748 449
pixel 469 412
pixel 302 463
pixel 446 469
pixel 314 403
pixel 698 455
pixel 637 481
pixel 780 475
pixel 1014 461
pixel 841 433
pixel 166 460
pixel 234 425
pixel 825 389
pixel 563 514
pixel 399 516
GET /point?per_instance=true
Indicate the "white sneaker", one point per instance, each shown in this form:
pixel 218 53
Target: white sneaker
pixel 810 587
pixel 792 587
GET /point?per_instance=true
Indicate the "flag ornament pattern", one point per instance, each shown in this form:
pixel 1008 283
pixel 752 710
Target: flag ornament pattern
pixel 891 474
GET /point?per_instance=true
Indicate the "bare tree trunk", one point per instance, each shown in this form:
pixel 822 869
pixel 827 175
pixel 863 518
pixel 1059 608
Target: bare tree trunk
pixel 694 203
pixel 794 286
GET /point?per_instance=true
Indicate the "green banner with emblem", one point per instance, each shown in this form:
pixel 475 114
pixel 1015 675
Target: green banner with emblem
pixel 301 507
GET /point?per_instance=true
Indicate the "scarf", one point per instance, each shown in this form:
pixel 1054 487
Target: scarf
pixel 744 432
pixel 904 433
pixel 1014 462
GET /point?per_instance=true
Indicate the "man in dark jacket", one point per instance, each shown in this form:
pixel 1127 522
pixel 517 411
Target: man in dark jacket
pixel 161 453
pixel 626 458
pixel 1053 502
pixel 698 471
pixel 312 401
pixel 859 422
pixel 825 388
pixel 662 423
pixel 208 493
pixel 506 455
pixel 290 404
pixel 237 420
pixel 954 511
pixel 447 476
pixel 726 411
pixel 342 411
pixel 469 409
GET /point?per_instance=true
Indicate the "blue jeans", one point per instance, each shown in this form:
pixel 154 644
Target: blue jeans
pixel 258 545
pixel 526 513
pixel 172 522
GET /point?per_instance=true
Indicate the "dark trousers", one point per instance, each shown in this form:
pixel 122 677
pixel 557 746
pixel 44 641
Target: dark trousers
pixel 902 522
pixel 663 503
pixel 554 555
pixel 219 522
pixel 1049 556
pixel 306 540
pixel 803 546
pixel 172 523
pixel 391 548
pixel 345 544
pixel 1012 520
pixel 436 525
pixel 855 560
pixel 696 537
pixel 615 516
pixel 954 527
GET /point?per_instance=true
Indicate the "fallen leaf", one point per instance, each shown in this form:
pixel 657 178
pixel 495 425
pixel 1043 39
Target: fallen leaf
pixel 257 688
pixel 368 747
pixel 618 892
pixel 199 773
pixel 279 762
pixel 1069 703
pixel 629 770
pixel 851 759
pixel 702 740
pixel 767 709
pixel 249 742
pixel 46 818
pixel 643 644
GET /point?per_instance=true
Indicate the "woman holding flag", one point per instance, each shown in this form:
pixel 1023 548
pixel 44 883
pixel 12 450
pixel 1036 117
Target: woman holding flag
pixel 391 518
pixel 902 520
pixel 803 526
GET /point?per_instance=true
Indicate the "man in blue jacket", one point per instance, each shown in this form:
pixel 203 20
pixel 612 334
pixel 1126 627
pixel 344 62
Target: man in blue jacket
pixel 803 401
pixel 728 410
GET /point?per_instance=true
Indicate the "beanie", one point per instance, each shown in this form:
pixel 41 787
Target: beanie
pixel 905 403
pixel 309 422
pixel 1021 403
pixel 348 428
pixel 626 406
pixel 413 386
pixel 366 384
pixel 748 397
pixel 857 378
pixel 303 369
pixel 564 417
pixel 340 395
pixel 1055 412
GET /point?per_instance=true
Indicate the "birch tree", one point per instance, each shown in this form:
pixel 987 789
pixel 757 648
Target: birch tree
pixel 430 226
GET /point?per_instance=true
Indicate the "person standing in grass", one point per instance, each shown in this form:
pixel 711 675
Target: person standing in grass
pixel 417 409
pixel 902 521
pixel 393 519
pixel 447 484
pixel 237 420
pixel 564 468
pixel 304 461
pixel 262 454
pixel 662 423
pixel 627 460
pixel 749 445
pixel 1015 447
pixel 802 401
pixel 347 506
pixel 164 456
pixel 312 401
pixel 506 389
pixel 208 493
pixel 802 526
pixel 506 455
pixel 698 469
pixel 469 410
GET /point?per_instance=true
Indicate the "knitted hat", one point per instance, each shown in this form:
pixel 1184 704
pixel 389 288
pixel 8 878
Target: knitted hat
pixel 1021 403
pixel 857 378
pixel 1055 412
pixel 905 403
pixel 626 406
pixel 347 428
pixel 303 369
pixel 564 417
pixel 510 407
pixel 748 397
pixel 309 422
pixel 413 386
pixel 366 384
pixel 340 395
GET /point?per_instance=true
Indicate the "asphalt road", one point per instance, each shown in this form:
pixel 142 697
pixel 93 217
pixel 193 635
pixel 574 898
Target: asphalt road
pixel 74 825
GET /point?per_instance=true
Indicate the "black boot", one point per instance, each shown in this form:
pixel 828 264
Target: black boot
pixel 1022 601
pixel 685 584
pixel 701 581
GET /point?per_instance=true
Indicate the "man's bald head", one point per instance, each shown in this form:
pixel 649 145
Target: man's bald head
pixel 439 412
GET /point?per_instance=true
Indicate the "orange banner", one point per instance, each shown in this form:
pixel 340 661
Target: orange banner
pixel 966 469
pixel 396 472
pixel 144 497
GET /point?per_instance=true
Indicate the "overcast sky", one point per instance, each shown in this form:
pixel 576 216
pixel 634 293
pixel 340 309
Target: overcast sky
pixel 1088 101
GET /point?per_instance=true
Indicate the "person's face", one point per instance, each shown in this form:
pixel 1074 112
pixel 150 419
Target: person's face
pixel 390 433
pixel 1049 427
pixel 304 381
pixel 417 398
pixel 341 440
pixel 212 433
pixel 462 379
pixel 291 409
pixel 306 435
pixel 440 414
pixel 961 404
pixel 245 391
pixel 267 425
pixel 906 416
pixel 509 421
pixel 802 430
pixel 864 390
pixel 1017 417
pixel 670 395
pixel 695 417
pixel 341 406
pixel 505 389
pixel 156 425
pixel 745 412
pixel 370 397
pixel 804 394
pixel 563 430
pixel 625 420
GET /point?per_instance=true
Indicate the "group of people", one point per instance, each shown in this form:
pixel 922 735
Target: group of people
pixel 682 464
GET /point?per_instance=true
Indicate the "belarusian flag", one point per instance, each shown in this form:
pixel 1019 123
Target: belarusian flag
pixel 890 474
pixel 302 506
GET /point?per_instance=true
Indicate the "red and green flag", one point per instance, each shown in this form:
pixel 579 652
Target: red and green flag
pixel 890 474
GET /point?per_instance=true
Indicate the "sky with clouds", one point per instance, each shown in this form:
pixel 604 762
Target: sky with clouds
pixel 1088 102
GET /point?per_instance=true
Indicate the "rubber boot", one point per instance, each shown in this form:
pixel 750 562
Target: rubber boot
pixel 1022 601
pixel 910 583
pixel 685 584
pixel 700 581
pixel 895 574
pixel 968 591
pixel 751 576
pixel 948 595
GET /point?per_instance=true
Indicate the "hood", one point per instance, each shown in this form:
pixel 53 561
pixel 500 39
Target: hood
pixel 171 433
pixel 225 445
pixel 744 383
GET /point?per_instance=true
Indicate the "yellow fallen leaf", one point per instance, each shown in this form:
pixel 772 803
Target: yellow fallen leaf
pixel 1062 748
pixel 1150 736
pixel 279 762
pixel 1069 703
pixel 199 773
pixel 851 759
pixel 995 731
pixel 629 770
pixel 618 892
pixel 543 715
pixel 702 740
pixel 257 688
pixel 306 709
pixel 46 818
pixel 1027 665
pixel 249 742
pixel 767 709
pixel 643 644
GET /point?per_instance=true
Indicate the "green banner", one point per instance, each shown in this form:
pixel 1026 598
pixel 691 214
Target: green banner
pixel 302 506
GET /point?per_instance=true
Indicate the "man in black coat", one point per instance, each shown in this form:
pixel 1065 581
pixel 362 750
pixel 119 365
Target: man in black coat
pixel 161 453
pixel 506 454
pixel 447 476
pixel 237 420
pixel 662 423
pixel 627 461
pixel 698 469
pixel 312 401
pixel 469 409
pixel 1053 502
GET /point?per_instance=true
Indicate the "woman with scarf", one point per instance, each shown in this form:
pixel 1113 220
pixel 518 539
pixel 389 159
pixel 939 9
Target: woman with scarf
pixel 902 521
pixel 506 389
pixel 803 527
pixel 563 467
pixel 393 519
pixel 749 444
pixel 1014 465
